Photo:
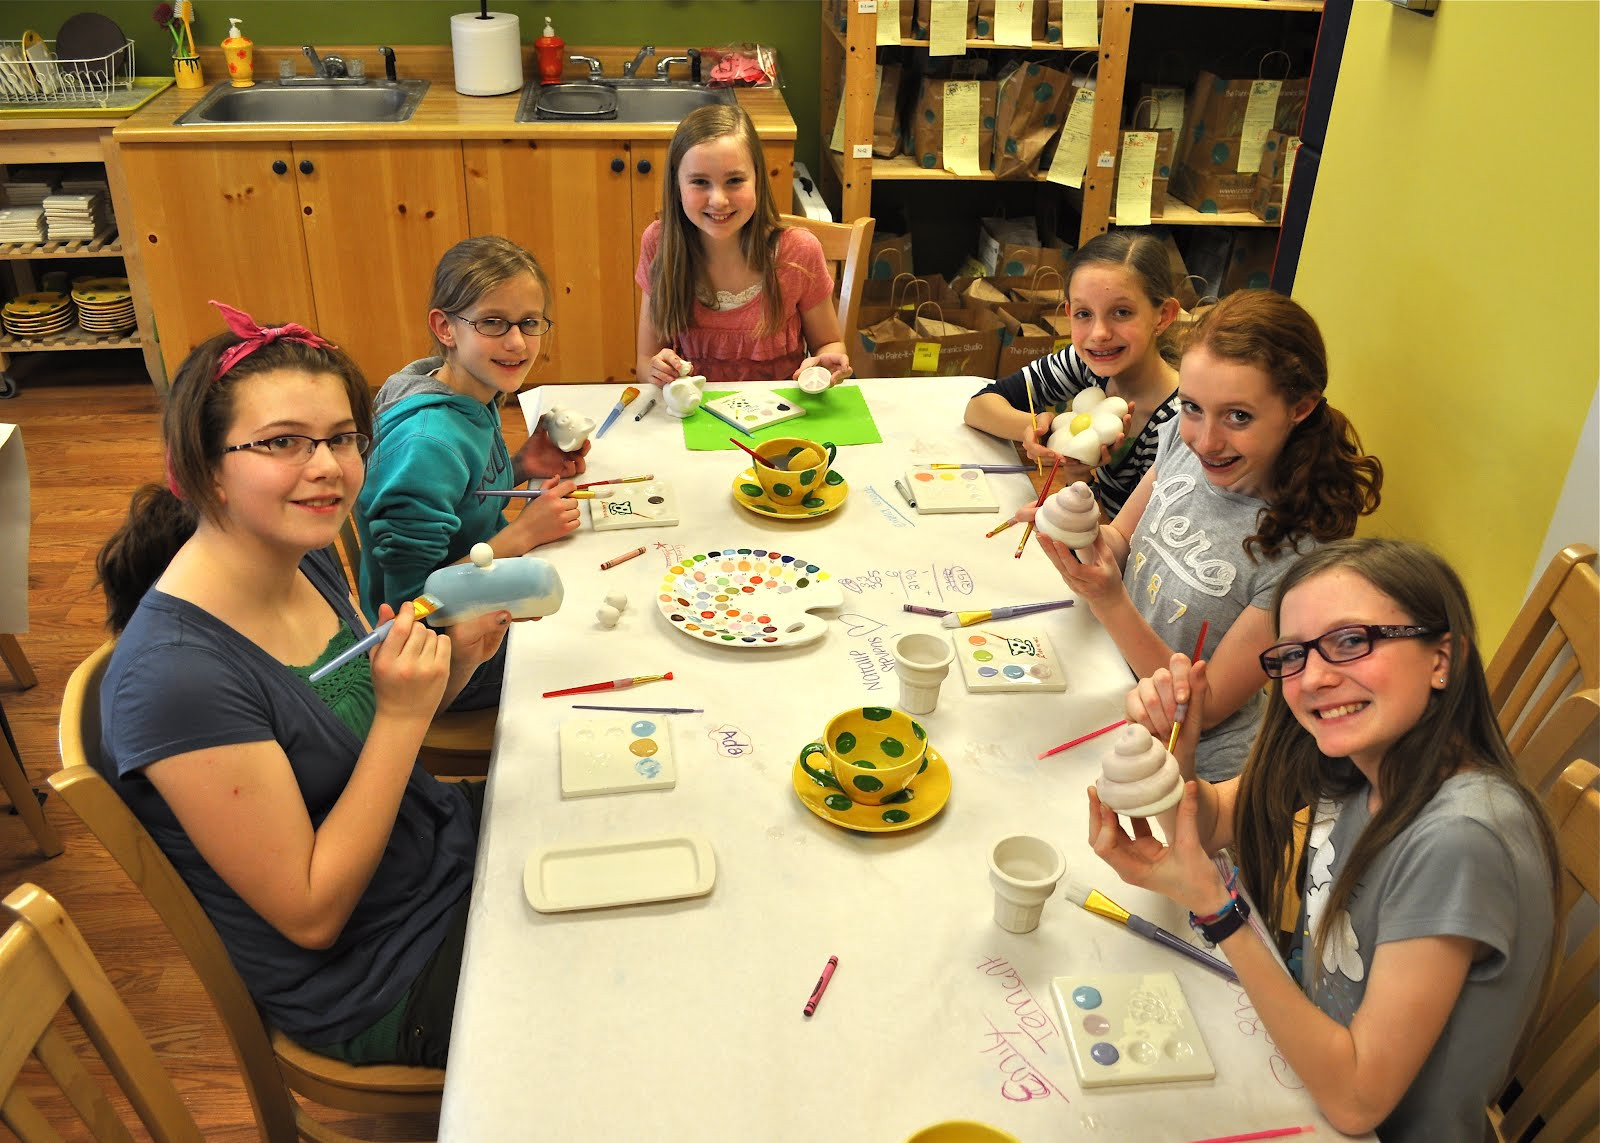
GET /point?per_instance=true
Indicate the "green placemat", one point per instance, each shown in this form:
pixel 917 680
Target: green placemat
pixel 840 415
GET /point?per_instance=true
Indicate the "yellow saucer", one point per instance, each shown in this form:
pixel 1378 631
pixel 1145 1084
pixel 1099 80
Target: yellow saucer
pixel 928 793
pixel 826 499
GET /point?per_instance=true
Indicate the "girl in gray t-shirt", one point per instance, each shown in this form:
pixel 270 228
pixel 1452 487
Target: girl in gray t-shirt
pixel 1256 469
pixel 1421 910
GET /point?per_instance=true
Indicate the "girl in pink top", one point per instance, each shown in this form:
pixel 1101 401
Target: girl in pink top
pixel 729 288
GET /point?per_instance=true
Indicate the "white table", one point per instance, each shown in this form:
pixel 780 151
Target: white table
pixel 682 1019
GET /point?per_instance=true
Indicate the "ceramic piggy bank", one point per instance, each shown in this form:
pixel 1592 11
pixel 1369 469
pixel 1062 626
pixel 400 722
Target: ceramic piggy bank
pixel 567 428
pixel 684 395
pixel 523 585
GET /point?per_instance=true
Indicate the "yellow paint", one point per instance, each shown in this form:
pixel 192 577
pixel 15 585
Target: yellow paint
pixel 1450 262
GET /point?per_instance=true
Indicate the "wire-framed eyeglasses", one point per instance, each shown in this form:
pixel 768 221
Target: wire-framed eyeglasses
pixel 499 326
pixel 1341 645
pixel 294 448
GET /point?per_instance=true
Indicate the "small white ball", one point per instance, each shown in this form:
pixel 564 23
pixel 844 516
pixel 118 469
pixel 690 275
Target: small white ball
pixel 608 615
pixel 482 555
pixel 617 600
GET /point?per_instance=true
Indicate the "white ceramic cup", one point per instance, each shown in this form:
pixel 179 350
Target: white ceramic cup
pixel 1024 871
pixel 921 662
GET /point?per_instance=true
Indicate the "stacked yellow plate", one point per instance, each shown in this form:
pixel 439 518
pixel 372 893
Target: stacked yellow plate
pixel 39 314
pixel 105 305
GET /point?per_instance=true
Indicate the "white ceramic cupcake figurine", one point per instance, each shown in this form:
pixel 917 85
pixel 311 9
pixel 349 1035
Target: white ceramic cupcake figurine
pixel 1139 779
pixel 1071 517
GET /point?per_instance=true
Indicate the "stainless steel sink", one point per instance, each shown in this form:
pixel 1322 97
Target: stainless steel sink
pixel 377 101
pixel 621 101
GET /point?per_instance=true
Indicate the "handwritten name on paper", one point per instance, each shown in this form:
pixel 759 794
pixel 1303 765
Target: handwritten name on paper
pixel 1250 1025
pixel 730 741
pixel 672 553
pixel 1026 1018
pixel 932 580
pixel 887 510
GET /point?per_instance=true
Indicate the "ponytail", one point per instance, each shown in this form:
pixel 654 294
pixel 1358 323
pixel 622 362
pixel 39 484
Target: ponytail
pixel 1324 482
pixel 158 524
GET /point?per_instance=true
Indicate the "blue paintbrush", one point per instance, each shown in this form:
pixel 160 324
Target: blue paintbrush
pixel 623 402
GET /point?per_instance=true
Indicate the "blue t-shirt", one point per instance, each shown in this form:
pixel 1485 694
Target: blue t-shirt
pixel 181 680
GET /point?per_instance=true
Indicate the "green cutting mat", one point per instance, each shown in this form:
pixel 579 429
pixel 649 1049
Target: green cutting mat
pixel 840 415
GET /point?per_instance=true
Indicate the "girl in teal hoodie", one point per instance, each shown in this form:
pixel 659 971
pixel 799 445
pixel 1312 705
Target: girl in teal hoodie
pixel 439 441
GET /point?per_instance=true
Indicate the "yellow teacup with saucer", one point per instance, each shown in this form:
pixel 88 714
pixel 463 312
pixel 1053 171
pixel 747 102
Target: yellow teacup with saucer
pixel 871 754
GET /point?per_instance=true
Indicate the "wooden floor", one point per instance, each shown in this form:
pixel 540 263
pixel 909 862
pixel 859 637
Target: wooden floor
pixel 91 431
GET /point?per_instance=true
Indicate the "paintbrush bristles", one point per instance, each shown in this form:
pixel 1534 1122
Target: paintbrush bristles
pixel 1096 902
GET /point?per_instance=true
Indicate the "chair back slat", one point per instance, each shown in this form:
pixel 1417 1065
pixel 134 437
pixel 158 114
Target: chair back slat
pixel 1552 647
pixel 846 247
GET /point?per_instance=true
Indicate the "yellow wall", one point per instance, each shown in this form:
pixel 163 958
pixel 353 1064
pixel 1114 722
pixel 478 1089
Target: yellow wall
pixel 1450 259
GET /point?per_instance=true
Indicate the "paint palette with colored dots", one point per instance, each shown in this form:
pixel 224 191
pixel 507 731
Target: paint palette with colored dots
pixel 748 598
pixel 752 409
pixel 652 504
pixel 951 490
pixel 991 661
pixel 1130 1027
pixel 615 755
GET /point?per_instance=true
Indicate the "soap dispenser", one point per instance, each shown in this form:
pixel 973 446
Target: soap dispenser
pixel 552 54
pixel 238 51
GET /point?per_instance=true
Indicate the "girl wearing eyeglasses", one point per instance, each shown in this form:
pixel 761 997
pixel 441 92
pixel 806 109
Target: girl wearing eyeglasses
pixel 336 870
pixel 1256 469
pixel 439 444
pixel 1425 887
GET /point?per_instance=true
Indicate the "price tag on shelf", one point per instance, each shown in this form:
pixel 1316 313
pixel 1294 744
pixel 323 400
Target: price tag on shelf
pixel 1079 28
pixel 1135 177
pixel 889 23
pixel 947 28
pixel 1013 22
pixel 1072 152
pixel 1259 112
pixel 861 151
pixel 960 143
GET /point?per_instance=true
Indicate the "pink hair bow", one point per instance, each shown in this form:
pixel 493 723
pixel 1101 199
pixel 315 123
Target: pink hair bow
pixel 255 336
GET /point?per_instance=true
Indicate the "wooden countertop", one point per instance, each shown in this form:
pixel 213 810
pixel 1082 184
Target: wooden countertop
pixel 443 113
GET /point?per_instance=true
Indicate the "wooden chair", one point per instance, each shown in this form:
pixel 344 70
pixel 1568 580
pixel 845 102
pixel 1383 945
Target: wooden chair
pixel 16 662
pixel 1552 647
pixel 458 742
pixel 14 781
pixel 1555 1088
pixel 846 246
pixel 45 964
pixel 1568 733
pixel 273 1066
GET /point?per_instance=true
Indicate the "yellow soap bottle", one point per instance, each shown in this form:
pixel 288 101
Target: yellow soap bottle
pixel 239 53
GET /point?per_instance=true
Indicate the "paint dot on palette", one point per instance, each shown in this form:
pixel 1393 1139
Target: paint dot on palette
pixel 925 476
pixel 644 747
pixel 947 475
pixel 1096 1025
pixel 647 767
pixel 1085 997
pixel 987 672
pixel 970 474
pixel 977 640
pixel 1104 1053
pixel 1012 671
pixel 643 728
pixel 983 656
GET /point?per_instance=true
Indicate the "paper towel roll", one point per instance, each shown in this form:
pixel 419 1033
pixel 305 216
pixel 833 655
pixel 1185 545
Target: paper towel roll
pixel 487 53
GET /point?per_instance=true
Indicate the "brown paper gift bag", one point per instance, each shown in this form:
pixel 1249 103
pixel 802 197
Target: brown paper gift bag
pixel 905 292
pixel 1029 113
pixel 886 115
pixel 890 254
pixel 980 20
pixel 888 347
pixel 927 124
pixel 1024 337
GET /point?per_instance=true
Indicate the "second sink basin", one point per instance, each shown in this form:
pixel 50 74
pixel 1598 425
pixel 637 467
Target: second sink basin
pixel 378 101
pixel 640 102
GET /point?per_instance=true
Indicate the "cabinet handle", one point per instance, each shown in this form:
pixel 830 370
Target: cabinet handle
pixel 618 165
pixel 644 166
pixel 305 167
pixel 279 167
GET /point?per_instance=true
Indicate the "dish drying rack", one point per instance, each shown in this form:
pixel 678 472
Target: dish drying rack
pixel 103 81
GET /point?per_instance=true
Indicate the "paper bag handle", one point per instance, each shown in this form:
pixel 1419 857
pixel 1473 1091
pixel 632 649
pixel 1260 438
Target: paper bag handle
pixel 1288 64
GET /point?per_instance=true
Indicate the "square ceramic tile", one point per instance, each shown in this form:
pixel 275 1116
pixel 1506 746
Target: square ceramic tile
pixel 951 490
pixel 751 409
pixel 991 661
pixel 615 755
pixel 649 505
pixel 1130 1027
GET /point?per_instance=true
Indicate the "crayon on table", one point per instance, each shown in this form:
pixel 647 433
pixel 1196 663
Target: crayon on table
pixel 622 559
pixel 822 984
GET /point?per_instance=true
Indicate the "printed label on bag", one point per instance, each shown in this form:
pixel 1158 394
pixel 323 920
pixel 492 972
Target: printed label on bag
pixel 925 357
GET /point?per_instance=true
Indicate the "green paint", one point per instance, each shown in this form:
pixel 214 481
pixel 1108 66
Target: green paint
pixel 833 478
pixel 867 784
pixel 813 502
pixel 781 489
pixel 837 802
pixel 808 476
pixel 893 747
pixel 751 490
pixel 916 728
pixel 865 763
pixel 845 743
pixel 875 713
pixel 899 797
pixel 895 817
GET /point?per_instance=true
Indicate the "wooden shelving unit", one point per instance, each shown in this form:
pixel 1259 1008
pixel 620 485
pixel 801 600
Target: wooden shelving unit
pixel 853 53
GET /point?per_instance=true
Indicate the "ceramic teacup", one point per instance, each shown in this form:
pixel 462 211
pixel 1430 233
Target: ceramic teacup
pixel 800 468
pixel 871 754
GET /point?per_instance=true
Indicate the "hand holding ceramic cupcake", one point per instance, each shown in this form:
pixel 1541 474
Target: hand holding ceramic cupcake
pixel 1071 517
pixel 1139 779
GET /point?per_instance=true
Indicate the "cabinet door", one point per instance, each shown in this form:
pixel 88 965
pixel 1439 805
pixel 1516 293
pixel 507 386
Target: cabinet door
pixel 376 218
pixel 217 222
pixel 571 203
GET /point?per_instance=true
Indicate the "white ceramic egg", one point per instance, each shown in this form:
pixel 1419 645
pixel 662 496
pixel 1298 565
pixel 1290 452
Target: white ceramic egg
pixel 617 600
pixel 607 615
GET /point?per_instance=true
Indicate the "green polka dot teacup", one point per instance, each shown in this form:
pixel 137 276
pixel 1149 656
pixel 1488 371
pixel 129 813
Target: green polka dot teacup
pixel 870 754
pixel 800 468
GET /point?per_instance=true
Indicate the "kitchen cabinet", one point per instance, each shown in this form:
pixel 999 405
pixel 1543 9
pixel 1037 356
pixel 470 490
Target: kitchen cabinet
pixel 48 142
pixel 342 236
pixel 580 206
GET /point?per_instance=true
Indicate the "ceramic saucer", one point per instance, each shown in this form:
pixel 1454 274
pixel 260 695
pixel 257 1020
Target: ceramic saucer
pixel 826 499
pixel 927 797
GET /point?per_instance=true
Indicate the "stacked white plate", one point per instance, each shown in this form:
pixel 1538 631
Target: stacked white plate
pixel 105 305
pixel 75 215
pixel 39 314
pixel 21 224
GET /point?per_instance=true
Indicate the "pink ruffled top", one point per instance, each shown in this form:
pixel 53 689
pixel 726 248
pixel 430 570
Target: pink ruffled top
pixel 723 344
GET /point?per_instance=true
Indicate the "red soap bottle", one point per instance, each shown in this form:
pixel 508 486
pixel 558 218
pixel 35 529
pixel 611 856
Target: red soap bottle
pixel 552 51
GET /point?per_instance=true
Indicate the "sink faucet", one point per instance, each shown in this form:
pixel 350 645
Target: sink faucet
pixel 664 65
pixel 329 67
pixel 628 69
pixel 388 64
pixel 596 72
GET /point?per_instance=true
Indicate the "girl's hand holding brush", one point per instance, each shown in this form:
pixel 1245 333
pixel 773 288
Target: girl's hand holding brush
pixel 548 517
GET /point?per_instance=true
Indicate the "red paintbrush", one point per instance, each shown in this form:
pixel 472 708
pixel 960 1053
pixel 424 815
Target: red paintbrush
pixel 613 685
pixel 756 456
pixel 1045 491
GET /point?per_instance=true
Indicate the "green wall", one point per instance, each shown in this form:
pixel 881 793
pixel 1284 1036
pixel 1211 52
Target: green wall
pixel 793 27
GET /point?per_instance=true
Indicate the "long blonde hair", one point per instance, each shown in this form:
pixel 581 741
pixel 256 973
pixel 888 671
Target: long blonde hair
pixel 680 261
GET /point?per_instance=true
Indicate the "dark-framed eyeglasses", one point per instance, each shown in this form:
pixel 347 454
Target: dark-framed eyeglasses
pixel 294 448
pixel 499 326
pixel 1341 645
